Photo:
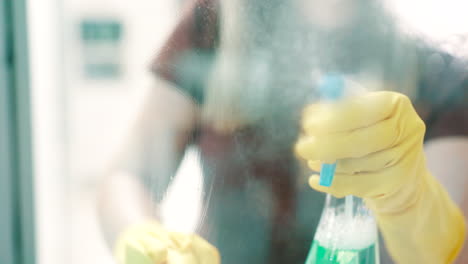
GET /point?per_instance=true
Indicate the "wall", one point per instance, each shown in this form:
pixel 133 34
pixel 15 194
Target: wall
pixel 80 123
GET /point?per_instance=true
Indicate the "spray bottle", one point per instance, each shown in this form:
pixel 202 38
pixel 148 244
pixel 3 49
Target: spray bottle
pixel 347 232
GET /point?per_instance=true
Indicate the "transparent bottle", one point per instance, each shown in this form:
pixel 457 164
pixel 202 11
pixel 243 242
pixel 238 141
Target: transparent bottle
pixel 347 234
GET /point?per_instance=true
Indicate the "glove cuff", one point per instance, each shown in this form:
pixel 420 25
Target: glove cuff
pixel 431 227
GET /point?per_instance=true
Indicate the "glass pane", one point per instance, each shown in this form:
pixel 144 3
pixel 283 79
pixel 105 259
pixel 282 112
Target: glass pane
pixel 159 119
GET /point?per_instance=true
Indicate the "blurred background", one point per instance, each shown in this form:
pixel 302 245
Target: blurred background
pixel 88 68
pixel 89 73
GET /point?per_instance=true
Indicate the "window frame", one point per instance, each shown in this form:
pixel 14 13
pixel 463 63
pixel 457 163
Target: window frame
pixel 17 232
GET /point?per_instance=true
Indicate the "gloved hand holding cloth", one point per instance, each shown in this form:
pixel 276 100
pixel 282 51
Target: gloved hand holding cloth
pixel 377 141
pixel 151 243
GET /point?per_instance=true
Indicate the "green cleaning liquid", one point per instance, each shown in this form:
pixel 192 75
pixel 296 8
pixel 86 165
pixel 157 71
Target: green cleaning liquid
pixel 346 234
pixel 322 255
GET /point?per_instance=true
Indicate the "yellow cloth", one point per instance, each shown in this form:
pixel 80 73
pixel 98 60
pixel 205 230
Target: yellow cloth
pixel 150 243
pixel 377 141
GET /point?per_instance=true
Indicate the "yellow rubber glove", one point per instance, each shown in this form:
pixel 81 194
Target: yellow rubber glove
pixel 377 141
pixel 150 243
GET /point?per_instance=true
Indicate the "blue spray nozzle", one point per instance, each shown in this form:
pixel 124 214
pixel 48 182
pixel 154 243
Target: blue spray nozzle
pixel 327 172
pixel 331 87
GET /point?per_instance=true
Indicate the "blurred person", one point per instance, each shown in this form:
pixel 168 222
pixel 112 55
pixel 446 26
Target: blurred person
pixel 238 76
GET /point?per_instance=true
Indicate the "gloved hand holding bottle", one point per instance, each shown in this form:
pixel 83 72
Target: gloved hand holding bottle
pixel 377 141
pixel 151 243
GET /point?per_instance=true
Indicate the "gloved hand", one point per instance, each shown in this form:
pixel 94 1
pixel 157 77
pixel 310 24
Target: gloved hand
pixel 377 141
pixel 150 243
